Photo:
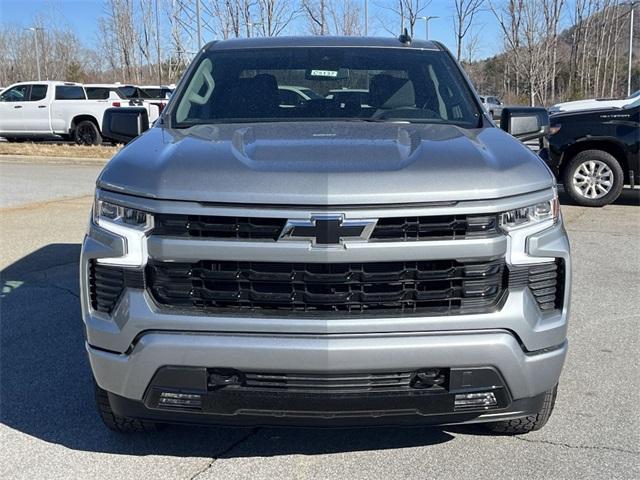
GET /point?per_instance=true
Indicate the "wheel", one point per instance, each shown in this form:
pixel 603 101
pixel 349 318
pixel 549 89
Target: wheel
pixel 530 423
pixel 87 133
pixel 593 178
pixel 116 422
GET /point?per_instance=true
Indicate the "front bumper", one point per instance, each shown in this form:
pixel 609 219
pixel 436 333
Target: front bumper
pixel 378 417
pixel 525 345
pixel 522 376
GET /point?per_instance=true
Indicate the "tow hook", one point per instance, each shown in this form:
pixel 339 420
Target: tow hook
pixel 223 379
pixel 427 378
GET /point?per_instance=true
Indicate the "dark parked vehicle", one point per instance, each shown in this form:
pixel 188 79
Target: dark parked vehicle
pixel 596 152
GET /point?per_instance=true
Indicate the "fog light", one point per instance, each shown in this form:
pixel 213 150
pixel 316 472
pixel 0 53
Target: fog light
pixel 475 400
pixel 180 400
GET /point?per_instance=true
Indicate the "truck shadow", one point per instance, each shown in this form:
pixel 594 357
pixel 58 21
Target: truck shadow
pixel 46 390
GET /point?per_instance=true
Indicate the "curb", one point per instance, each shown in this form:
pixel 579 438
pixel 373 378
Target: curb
pixel 53 160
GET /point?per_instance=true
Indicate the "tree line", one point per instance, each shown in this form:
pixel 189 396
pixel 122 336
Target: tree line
pixel 550 49
pixel 541 64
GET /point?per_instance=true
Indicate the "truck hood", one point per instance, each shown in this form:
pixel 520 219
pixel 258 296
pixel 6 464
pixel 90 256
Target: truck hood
pixel 322 163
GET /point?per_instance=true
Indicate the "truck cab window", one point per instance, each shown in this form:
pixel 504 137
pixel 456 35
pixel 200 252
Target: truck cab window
pixel 69 92
pixel 19 93
pixel 38 92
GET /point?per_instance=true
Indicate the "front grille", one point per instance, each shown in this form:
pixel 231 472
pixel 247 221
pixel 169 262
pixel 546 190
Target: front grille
pixel 251 228
pixel 441 287
pixel 106 284
pixel 545 280
pixel 447 227
pixel 443 227
pixel 432 379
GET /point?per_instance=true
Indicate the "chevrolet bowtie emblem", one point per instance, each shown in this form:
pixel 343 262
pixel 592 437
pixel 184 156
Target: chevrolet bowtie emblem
pixel 327 230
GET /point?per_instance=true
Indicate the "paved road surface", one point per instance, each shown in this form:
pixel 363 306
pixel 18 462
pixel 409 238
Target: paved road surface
pixel 26 183
pixel 48 427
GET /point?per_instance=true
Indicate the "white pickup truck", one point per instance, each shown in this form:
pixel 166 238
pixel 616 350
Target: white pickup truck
pixel 54 109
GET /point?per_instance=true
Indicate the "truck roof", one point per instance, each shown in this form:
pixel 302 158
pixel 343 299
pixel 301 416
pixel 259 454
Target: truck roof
pixel 46 82
pixel 320 41
pixel 109 85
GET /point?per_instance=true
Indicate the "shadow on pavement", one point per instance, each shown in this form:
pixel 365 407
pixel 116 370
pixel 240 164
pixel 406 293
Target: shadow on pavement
pixel 46 390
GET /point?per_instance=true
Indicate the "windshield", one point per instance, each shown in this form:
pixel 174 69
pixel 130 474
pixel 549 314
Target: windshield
pixel 378 85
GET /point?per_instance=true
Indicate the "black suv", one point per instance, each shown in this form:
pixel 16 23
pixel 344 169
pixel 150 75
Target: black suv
pixel 596 152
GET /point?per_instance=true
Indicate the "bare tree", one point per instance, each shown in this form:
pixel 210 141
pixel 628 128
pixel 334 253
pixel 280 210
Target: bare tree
pixel 315 12
pixel 275 16
pixel 118 34
pixel 407 11
pixel 466 10
pixel 523 31
pixel 552 10
pixel 149 40
pixel 345 17
pixel 412 10
pixel 473 40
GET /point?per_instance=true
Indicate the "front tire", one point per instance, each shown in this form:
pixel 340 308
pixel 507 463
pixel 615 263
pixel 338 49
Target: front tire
pixel 593 178
pixel 87 133
pixel 530 423
pixel 118 423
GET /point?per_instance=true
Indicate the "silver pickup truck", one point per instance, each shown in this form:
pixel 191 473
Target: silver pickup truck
pixel 399 261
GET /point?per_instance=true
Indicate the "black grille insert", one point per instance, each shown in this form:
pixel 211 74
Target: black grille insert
pixel 106 284
pixel 545 280
pixel 439 287
pixel 253 228
pixel 443 227
pixel 437 379
pixel 446 227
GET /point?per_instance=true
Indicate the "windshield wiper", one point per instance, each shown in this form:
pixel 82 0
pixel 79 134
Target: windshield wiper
pixel 372 120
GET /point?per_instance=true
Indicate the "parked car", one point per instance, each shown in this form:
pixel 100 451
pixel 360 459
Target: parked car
pixel 358 96
pixel 596 103
pixel 105 91
pixel 596 152
pixel 158 92
pixel 50 109
pixel 400 263
pixel 143 98
pixel 112 93
pixel 492 105
pixel 292 96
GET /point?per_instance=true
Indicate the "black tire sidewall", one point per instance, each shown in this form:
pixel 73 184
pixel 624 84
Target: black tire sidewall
pixel 604 157
pixel 97 137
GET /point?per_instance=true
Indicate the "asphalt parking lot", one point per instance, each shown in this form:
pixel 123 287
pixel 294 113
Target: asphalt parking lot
pixel 48 427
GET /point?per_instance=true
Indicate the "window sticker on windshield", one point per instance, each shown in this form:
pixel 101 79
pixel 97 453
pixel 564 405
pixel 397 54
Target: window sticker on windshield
pixel 324 73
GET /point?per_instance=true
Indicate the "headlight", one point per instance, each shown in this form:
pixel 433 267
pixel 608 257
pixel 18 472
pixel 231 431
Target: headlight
pixel 526 216
pixel 110 212
pixel 130 224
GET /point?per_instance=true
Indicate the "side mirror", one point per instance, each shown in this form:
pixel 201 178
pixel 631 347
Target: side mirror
pixel 124 124
pixel 525 123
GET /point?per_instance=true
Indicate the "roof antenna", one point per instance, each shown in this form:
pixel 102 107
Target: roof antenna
pixel 405 38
